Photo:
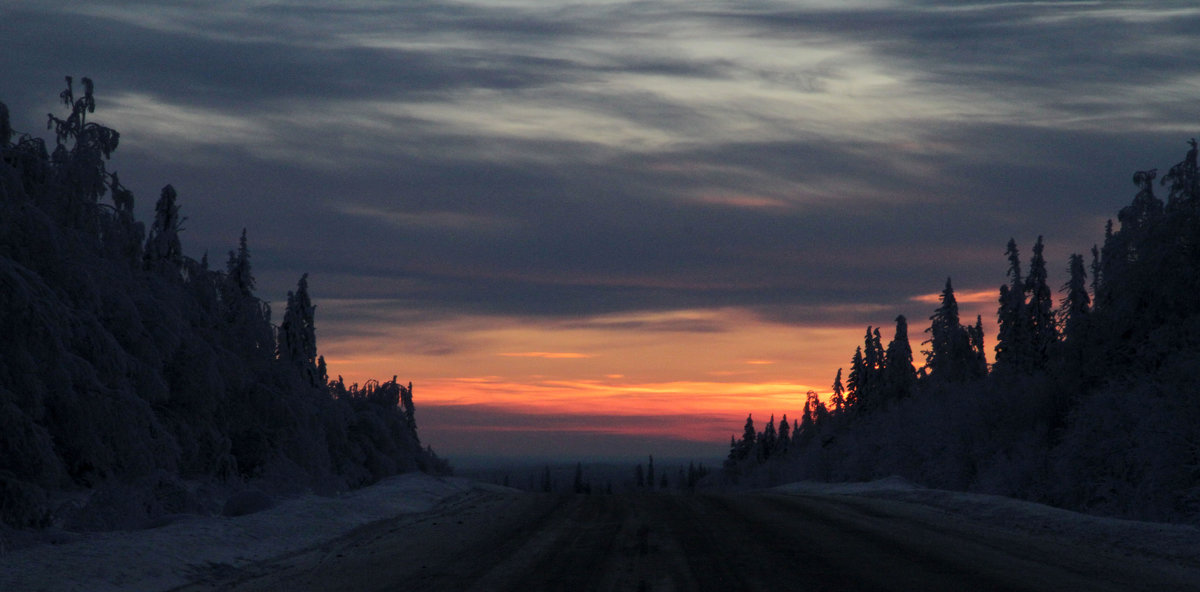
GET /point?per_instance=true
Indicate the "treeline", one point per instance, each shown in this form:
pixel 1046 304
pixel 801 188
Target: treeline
pixel 1093 404
pixel 136 381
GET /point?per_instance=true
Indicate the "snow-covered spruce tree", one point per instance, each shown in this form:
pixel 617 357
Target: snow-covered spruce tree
pixel 297 343
pixel 979 364
pixel 855 381
pixel 1076 303
pixel 1108 424
pixel 248 319
pixel 1013 341
pixel 81 147
pixel 899 375
pixel 163 248
pixel 949 357
pixel 127 386
pixel 1043 331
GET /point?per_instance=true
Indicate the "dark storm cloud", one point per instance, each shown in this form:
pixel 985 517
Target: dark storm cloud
pixel 412 152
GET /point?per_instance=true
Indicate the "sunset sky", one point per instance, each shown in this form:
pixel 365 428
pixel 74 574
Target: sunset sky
pixel 612 228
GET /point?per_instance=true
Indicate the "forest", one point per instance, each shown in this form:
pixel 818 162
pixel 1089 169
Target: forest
pixel 1092 405
pixel 137 382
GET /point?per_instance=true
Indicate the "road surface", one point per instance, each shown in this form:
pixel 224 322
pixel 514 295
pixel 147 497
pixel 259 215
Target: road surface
pixel 489 541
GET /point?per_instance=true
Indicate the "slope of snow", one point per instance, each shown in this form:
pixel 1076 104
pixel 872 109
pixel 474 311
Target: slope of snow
pixel 1179 543
pixel 162 558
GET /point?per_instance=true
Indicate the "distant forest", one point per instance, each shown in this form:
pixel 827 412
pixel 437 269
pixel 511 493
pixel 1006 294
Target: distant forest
pixel 1093 404
pixel 138 382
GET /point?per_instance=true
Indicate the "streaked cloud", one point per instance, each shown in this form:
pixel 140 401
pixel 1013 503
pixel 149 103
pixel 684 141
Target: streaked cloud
pixel 670 189
pixel 547 355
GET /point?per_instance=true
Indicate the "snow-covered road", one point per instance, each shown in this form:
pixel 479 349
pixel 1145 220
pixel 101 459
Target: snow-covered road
pixel 421 533
pixel 172 555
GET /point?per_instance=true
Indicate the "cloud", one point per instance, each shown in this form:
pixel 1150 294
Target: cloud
pixel 546 355
pixel 622 170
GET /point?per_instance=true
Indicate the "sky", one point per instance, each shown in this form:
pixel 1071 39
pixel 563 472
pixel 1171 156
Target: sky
pixel 612 228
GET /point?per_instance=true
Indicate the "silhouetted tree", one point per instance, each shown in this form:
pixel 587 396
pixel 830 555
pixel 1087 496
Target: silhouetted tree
pixel 1013 341
pixel 949 357
pixel 1076 304
pixel 784 436
pixel 767 441
pixel 899 375
pixel 1040 309
pixel 1184 180
pixel 855 381
pixel 297 333
pixel 163 246
pixel 838 398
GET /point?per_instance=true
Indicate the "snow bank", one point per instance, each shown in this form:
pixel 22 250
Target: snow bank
pixel 1178 543
pixel 164 557
pixel 893 483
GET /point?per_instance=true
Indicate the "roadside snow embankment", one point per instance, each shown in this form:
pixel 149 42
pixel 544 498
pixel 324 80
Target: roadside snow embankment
pixel 1177 543
pixel 166 557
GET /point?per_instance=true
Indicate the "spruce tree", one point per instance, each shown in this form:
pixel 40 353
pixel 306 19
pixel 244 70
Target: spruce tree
pixel 1012 339
pixel 238 268
pixel 749 436
pixel 949 355
pixel 838 398
pixel 1076 305
pixel 979 366
pixel 899 375
pixel 297 333
pixel 816 409
pixel 163 248
pixel 1043 331
pixel 767 441
pixel 784 432
pixel 854 380
pixel 1184 179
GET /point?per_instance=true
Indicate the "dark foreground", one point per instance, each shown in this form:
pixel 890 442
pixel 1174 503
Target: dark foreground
pixel 497 542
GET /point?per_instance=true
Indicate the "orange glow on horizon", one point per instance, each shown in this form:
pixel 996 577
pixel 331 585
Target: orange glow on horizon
pixel 697 373
pixel 547 355
pixel 964 297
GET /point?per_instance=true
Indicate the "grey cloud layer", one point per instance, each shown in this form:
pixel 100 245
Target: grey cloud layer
pixel 582 159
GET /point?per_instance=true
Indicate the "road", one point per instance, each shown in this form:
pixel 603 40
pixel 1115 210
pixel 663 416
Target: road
pixel 489 541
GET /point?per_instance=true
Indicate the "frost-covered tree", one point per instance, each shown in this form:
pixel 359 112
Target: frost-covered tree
pixel 126 369
pixel 949 357
pixel 297 333
pixel 163 249
pixel 237 269
pixel 1043 331
pixel 81 149
pixel 1184 180
pixel 1013 341
pixel 1076 304
pixel 899 375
